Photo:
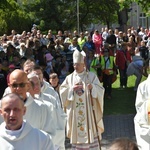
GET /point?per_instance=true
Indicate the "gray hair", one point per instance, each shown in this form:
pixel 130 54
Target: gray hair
pixel 32 75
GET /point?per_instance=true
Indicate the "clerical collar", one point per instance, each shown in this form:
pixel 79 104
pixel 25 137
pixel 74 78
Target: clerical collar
pixel 15 132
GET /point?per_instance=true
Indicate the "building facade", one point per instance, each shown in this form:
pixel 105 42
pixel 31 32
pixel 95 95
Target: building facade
pixel 137 17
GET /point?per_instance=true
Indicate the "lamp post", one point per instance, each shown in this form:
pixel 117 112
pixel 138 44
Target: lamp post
pixel 137 15
pixel 78 16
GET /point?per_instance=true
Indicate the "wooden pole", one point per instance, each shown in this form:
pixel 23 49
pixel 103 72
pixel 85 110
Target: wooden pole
pixel 90 95
pixel 78 17
pixel 95 120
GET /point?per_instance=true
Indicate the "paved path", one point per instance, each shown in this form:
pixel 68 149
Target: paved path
pixel 115 126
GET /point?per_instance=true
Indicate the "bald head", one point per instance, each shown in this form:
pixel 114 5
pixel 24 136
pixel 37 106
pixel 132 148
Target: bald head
pixel 18 83
pixel 18 74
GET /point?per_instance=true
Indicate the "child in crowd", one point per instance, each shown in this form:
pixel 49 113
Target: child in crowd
pixel 54 81
pixel 48 59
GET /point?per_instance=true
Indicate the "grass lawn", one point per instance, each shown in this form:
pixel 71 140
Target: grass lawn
pixel 123 101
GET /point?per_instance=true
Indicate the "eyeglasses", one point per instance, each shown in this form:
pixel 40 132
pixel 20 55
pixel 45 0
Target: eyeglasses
pixel 21 85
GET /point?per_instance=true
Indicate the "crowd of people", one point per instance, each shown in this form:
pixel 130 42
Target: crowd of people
pixel 53 52
pixel 57 76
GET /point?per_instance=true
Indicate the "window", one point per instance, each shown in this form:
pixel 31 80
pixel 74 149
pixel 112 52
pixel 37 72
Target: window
pixel 143 20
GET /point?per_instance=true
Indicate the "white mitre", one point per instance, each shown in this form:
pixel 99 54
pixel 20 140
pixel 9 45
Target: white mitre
pixel 79 57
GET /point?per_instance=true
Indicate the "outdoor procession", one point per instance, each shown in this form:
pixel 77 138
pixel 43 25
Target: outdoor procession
pixel 74 75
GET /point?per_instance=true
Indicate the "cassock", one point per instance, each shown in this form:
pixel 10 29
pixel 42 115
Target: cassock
pixel 26 138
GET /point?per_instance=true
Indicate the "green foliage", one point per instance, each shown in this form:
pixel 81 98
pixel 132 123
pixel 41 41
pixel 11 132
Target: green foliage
pixel 145 4
pixel 60 14
pixel 45 13
pixel 96 11
pixel 107 12
pixel 13 17
pixel 124 3
pixel 42 24
pixel 3 26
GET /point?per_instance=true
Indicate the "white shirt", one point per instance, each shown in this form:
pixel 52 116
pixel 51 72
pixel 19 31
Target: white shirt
pixel 104 35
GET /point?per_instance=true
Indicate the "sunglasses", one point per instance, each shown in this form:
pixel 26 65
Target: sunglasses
pixel 21 85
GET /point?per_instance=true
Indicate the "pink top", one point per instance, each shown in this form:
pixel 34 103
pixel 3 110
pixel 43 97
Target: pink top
pixel 97 38
pixel 48 57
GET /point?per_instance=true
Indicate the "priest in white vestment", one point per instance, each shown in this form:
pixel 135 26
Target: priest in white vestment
pixel 141 120
pixel 38 114
pixel 143 93
pixel 142 126
pixel 16 134
pixel 57 113
pixel 46 88
pixel 77 92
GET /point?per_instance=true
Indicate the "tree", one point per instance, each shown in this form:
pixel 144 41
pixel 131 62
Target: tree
pixel 106 11
pixel 52 14
pixel 145 4
pixel 12 17
pixel 62 14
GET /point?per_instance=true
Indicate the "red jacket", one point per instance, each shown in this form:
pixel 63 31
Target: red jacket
pixel 121 58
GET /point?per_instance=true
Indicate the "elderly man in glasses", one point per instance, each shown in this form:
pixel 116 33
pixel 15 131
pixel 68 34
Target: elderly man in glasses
pixel 57 112
pixel 38 114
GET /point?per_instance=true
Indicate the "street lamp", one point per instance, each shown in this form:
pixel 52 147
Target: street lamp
pixel 78 16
